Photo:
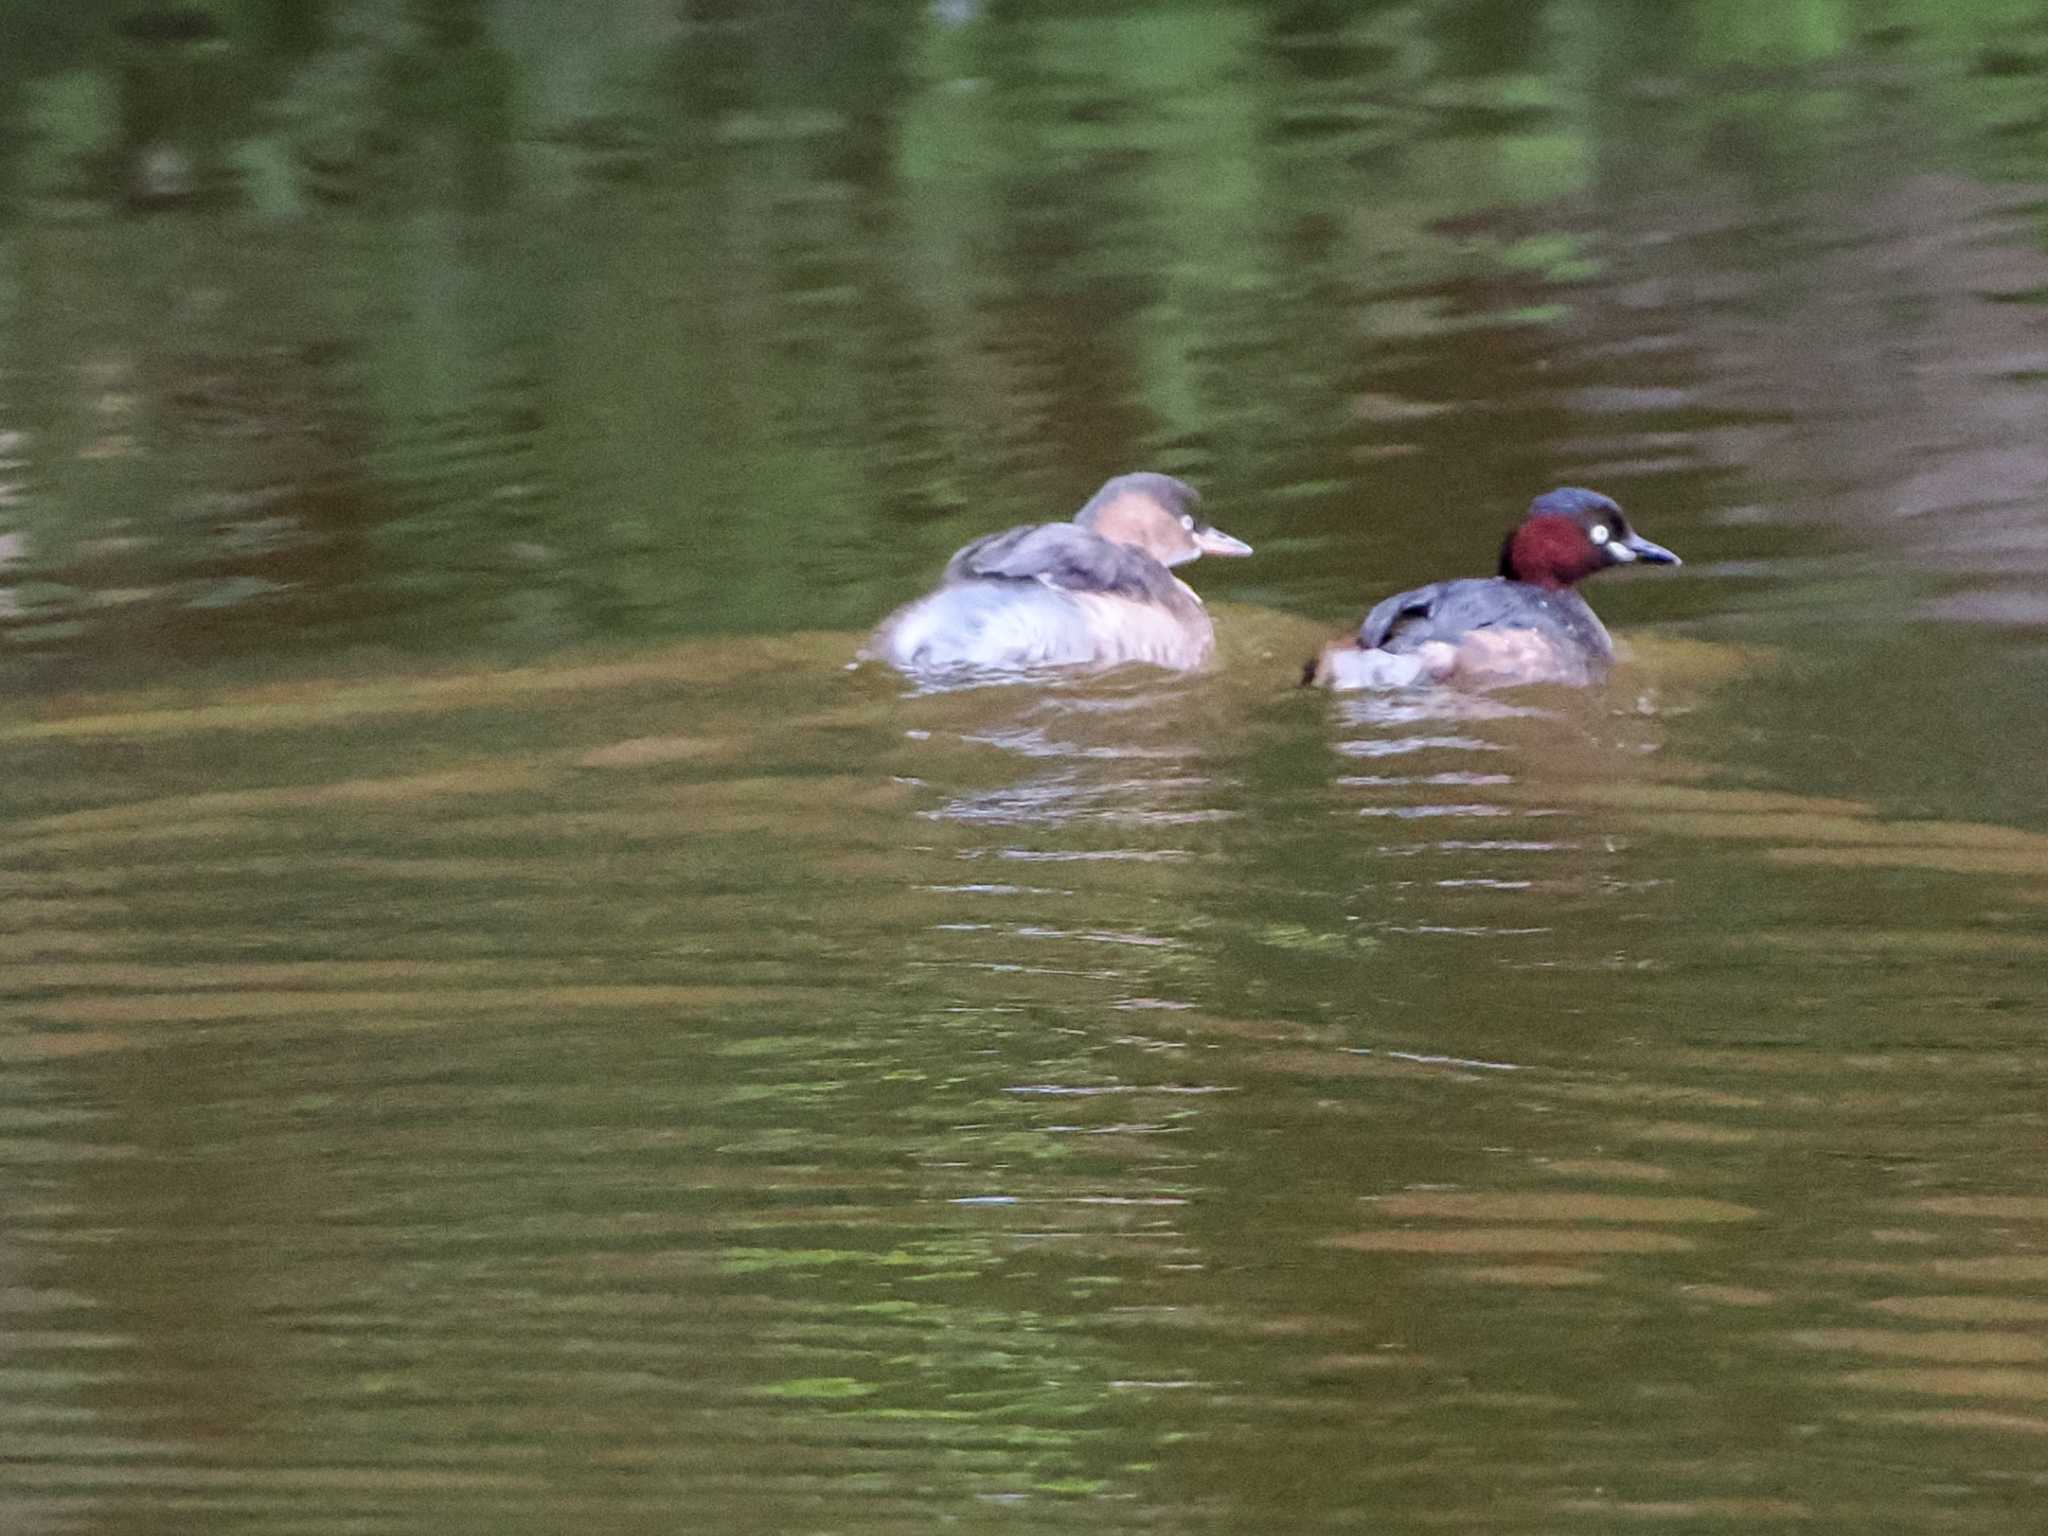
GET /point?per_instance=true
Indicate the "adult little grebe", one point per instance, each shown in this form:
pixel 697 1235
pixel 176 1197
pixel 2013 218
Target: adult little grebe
pixel 1525 625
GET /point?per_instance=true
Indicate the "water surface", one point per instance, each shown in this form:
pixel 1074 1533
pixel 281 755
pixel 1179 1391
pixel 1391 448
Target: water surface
pixel 505 1030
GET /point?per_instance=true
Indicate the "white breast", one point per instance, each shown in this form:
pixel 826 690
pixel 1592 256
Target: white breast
pixel 1008 626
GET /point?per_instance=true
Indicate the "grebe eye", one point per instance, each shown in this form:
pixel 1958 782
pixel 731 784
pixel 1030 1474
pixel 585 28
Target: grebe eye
pixel 1601 533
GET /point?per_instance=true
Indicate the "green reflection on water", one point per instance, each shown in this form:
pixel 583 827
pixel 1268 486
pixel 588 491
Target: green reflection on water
pixel 628 1070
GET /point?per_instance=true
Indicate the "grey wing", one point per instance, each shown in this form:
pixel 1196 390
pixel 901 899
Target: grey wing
pixel 1406 618
pixel 1061 555
pixel 991 555
pixel 1445 610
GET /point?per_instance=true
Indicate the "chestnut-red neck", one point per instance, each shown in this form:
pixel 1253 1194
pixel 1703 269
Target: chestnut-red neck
pixel 1549 551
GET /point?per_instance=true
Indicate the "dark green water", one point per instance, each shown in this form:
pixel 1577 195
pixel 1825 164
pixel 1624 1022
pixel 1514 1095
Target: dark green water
pixel 501 1030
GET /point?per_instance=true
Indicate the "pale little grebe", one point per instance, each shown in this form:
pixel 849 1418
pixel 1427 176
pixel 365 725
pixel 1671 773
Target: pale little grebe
pixel 1096 591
